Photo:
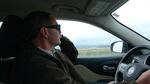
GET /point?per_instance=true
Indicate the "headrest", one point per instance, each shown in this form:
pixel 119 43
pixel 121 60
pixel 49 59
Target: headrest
pixel 10 35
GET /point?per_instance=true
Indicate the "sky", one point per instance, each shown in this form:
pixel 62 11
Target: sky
pixel 85 34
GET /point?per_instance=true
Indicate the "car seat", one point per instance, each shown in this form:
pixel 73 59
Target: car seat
pixel 10 42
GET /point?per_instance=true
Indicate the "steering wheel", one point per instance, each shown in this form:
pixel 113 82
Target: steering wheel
pixel 132 65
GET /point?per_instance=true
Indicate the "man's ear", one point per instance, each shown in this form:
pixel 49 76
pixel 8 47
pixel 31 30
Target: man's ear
pixel 44 32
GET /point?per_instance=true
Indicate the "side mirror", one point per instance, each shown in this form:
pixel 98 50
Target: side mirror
pixel 119 46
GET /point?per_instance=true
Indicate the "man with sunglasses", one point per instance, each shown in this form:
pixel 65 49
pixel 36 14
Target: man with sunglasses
pixel 39 62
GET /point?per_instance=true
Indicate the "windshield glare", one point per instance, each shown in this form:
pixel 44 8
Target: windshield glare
pixel 0 24
pixel 135 14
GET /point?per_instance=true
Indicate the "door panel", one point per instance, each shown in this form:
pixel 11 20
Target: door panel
pixel 88 75
pixel 99 68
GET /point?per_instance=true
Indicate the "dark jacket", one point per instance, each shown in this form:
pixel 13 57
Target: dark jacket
pixel 34 66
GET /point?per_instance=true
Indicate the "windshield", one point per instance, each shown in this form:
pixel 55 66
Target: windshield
pixel 135 14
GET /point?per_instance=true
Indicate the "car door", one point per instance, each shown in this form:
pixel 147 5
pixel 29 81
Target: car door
pixel 96 61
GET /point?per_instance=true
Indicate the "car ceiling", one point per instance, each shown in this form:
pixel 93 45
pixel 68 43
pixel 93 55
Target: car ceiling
pixel 65 9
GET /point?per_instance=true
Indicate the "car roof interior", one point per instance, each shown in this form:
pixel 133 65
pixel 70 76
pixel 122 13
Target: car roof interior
pixel 63 9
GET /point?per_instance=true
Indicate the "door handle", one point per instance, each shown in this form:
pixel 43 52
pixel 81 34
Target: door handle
pixel 108 68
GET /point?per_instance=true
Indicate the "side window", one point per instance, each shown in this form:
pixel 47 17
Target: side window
pixel 90 40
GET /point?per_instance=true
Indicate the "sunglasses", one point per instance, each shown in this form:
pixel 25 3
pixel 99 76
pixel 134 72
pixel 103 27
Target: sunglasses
pixel 57 27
